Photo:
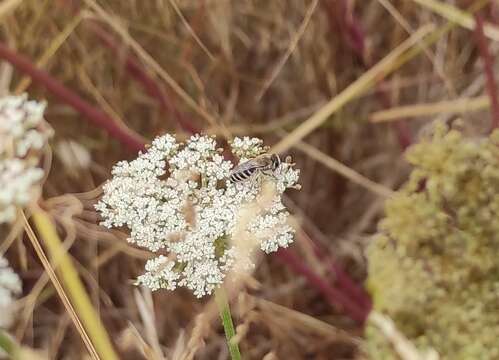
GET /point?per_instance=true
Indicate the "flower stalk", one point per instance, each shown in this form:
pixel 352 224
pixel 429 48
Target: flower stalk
pixel 230 333
pixel 7 345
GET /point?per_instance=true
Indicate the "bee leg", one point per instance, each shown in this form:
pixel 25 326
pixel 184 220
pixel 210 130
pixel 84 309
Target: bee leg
pixel 269 173
pixel 256 177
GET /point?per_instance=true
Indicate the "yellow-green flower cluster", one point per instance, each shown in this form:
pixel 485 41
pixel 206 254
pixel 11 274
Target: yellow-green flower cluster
pixel 434 266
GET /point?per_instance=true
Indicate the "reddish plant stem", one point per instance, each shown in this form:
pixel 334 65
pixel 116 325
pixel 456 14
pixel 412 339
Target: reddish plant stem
pixel 92 114
pixel 351 288
pixel 401 128
pixel 488 63
pixel 342 280
pixel 334 296
pixel 342 20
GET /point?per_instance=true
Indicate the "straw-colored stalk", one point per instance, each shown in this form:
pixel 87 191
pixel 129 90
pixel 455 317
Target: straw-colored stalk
pixel 77 301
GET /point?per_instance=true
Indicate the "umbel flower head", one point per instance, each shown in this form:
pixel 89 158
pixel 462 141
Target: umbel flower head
pixel 10 287
pixel 176 199
pixel 433 267
pixel 23 134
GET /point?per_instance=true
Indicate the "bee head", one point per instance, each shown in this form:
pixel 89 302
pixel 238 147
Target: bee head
pixel 276 161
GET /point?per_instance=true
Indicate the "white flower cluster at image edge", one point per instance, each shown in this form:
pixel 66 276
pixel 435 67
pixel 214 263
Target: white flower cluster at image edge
pixel 10 287
pixel 176 198
pixel 23 134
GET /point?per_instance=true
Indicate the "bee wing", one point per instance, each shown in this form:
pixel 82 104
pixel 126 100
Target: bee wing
pixel 247 165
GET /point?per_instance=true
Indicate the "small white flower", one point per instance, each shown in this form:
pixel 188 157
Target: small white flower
pixel 17 186
pixel 23 133
pixel 177 198
pixel 10 287
pixel 20 123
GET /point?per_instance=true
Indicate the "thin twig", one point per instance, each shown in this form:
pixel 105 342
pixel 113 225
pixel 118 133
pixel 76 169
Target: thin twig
pixel 344 170
pixel 292 46
pixel 191 30
pixel 60 290
pixel 488 63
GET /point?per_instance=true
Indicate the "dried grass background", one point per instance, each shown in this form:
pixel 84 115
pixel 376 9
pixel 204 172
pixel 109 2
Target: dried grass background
pixel 238 68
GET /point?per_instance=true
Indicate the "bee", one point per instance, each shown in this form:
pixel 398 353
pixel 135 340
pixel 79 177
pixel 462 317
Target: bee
pixel 264 164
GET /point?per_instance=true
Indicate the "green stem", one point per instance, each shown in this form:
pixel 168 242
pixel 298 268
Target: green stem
pixel 8 345
pixel 223 307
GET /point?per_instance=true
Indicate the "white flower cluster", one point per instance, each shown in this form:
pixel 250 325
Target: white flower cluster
pixel 23 134
pixel 176 198
pixel 10 287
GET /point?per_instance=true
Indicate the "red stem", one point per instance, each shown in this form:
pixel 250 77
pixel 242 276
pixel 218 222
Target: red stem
pixel 343 20
pixel 69 97
pixel 342 280
pixel 488 62
pixel 334 296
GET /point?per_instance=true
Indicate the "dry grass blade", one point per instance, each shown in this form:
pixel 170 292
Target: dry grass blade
pixel 104 104
pixel 292 46
pixel 91 323
pixel 150 61
pixel 358 87
pixel 270 126
pixel 405 349
pixel 460 17
pixel 50 51
pixel 430 109
pixel 308 321
pixel 60 290
pixel 146 309
pixel 343 170
pixel 8 6
pixel 488 65
pixel 191 30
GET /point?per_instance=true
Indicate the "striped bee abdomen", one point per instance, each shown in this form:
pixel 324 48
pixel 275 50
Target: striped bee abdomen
pixel 242 175
pixel 265 164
